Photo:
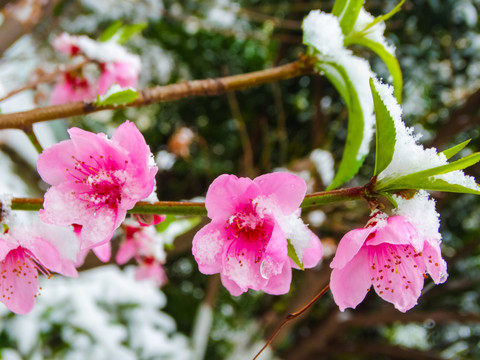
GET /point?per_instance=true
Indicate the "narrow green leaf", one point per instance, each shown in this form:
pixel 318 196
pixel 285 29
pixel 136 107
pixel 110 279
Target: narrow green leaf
pixel 385 17
pixel 129 30
pixel 111 31
pixel 338 7
pixel 455 149
pixel 390 198
pixel 349 164
pixel 432 184
pixel 164 224
pixel 119 98
pixel 390 61
pixel 349 15
pixel 293 255
pixel 385 137
pixel 443 169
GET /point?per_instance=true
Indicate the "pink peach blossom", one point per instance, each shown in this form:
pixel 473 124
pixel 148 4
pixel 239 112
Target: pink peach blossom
pixel 72 89
pixel 390 255
pixel 66 44
pixel 246 242
pixel 95 180
pixel 121 72
pixel 151 269
pixel 22 254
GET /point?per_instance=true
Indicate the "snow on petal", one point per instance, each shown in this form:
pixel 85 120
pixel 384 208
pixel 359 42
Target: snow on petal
pixel 102 179
pixel 246 242
pixel 395 256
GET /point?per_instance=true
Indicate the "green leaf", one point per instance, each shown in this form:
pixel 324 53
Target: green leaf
pixel 349 15
pixel 385 17
pixel 455 149
pixel 390 198
pixel 385 137
pixel 338 7
pixel 119 98
pixel 433 184
pixel 111 31
pixel 164 224
pixel 425 179
pixel 293 255
pixel 390 61
pixel 129 30
pixel 349 164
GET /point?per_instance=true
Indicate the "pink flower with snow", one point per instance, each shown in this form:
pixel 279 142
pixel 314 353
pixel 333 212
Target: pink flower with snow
pixel 95 180
pixel 23 253
pixel 246 242
pixel 73 88
pixel 66 44
pixel 390 255
pixel 140 243
pixel 152 269
pixel 121 72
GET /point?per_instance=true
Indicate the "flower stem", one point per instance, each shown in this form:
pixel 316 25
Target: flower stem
pixel 198 208
pixel 293 316
pixel 33 139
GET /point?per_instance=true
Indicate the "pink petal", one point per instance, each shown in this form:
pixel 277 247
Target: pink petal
pixel 398 230
pixel 49 257
pixel 126 252
pixel 436 266
pixel 350 283
pixel 54 161
pixel 5 248
pixel 286 189
pixel 349 246
pixel 276 254
pixel 313 254
pixel 244 271
pixel 208 247
pixel 396 274
pixel 231 286
pixel 280 283
pixel 103 252
pixel 227 193
pixel 153 271
pixel 18 286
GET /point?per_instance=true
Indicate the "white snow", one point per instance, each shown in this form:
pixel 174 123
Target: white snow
pixel 324 163
pixel 105 314
pixel 410 157
pixel 322 31
pixel 420 212
pixel 374 33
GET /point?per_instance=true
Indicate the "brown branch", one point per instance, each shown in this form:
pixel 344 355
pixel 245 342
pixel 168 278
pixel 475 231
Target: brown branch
pixel 293 316
pixel 206 87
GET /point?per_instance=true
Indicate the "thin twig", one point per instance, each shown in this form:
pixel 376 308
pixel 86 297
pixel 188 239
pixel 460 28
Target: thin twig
pixel 293 316
pixel 206 87
pixel 46 78
pixel 33 139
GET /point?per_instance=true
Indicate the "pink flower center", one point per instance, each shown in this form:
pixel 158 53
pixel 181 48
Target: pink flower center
pixel 249 234
pixel 100 181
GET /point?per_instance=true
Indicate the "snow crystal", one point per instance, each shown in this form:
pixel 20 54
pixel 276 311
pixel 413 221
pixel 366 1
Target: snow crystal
pixel 323 32
pixel 323 161
pixel 165 160
pixel 410 157
pixel 297 232
pixel 420 211
pixel 374 33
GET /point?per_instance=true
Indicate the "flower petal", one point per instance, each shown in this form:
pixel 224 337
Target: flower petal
pixel 436 266
pixel 350 283
pixel 126 252
pixel 396 274
pixel 208 247
pixel 349 246
pixel 280 283
pixel 18 286
pixel 276 254
pixel 398 230
pixel 103 252
pixel 54 161
pixel 286 189
pixel 313 254
pixel 48 256
pixel 227 193
pixel 232 286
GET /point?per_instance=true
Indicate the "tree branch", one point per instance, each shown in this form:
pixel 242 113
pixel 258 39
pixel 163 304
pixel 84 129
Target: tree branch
pixel 206 87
